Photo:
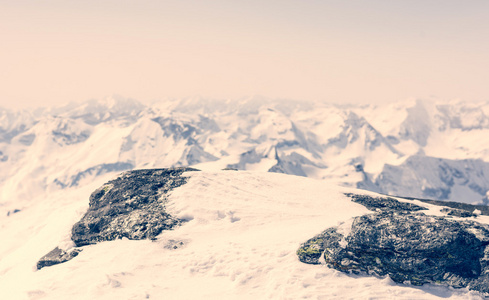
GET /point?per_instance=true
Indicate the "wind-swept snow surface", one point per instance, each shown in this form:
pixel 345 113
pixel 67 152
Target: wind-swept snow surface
pixel 239 242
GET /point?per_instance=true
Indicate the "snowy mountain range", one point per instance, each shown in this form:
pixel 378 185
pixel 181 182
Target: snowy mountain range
pixel 237 234
pixel 415 148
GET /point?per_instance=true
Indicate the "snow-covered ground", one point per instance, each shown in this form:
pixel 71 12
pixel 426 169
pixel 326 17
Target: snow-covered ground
pixel 240 242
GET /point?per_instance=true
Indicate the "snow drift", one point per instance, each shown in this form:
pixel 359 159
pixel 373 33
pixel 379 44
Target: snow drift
pixel 239 241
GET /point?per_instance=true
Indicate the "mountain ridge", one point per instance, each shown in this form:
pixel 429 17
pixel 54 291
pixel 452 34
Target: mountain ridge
pixel 350 145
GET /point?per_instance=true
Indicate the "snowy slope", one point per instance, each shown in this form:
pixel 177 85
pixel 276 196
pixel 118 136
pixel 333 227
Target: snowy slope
pixel 240 243
pixel 57 148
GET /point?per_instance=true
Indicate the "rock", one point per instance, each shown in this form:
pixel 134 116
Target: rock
pixel 374 203
pixel 57 256
pixel 483 209
pixel 411 247
pixel 11 212
pixel 175 244
pixel 458 212
pixel 131 206
pixel 310 252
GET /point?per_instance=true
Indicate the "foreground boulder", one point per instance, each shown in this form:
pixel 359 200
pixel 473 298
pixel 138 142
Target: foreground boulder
pixel 130 206
pixel 399 240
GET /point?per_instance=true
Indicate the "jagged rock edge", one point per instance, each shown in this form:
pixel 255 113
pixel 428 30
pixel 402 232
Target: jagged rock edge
pixel 480 284
pixel 57 255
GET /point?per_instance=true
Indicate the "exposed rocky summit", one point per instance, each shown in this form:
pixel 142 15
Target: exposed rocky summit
pixel 130 206
pixel 401 241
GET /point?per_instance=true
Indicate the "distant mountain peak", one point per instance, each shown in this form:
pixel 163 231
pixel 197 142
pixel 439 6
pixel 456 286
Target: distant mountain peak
pixel 353 145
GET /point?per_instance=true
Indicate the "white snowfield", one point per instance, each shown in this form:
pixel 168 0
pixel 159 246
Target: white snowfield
pixel 240 242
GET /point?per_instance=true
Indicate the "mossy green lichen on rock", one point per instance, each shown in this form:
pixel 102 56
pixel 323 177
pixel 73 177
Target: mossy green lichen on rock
pixel 311 251
pixel 107 187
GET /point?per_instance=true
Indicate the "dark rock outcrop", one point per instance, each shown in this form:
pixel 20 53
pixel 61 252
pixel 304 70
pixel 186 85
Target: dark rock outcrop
pixel 130 206
pixel 483 209
pixel 389 203
pixel 458 212
pixel 411 247
pixel 11 212
pixel 57 256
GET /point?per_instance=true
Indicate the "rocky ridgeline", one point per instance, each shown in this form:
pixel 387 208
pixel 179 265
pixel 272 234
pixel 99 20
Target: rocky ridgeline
pixel 130 206
pixel 398 239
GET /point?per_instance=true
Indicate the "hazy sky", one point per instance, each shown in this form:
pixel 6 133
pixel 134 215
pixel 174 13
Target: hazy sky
pixel 52 52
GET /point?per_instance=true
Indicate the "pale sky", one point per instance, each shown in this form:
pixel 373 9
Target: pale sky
pixel 54 52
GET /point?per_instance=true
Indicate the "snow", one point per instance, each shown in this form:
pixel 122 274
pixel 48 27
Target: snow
pixel 239 243
pixel 244 227
pixel 39 149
